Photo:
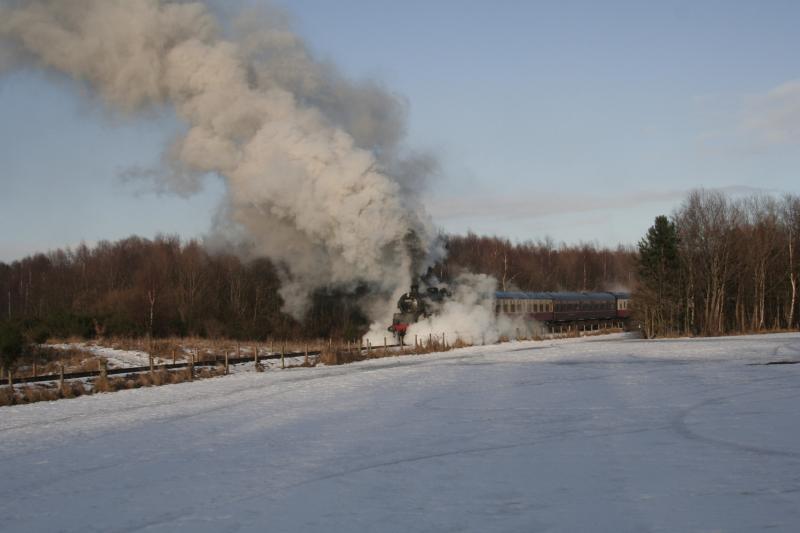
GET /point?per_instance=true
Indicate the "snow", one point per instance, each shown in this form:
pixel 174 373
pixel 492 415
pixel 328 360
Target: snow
pixel 594 434
pixel 116 358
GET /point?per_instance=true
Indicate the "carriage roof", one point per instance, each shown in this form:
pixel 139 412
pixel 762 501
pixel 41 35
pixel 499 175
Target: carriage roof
pixel 560 296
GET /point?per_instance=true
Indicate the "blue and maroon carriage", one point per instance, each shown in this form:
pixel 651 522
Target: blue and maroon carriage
pixel 559 307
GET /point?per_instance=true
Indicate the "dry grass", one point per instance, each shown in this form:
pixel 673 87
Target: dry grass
pixel 72 389
pixel 39 394
pixel 6 396
pixel 163 348
pixel 49 360
pixel 348 353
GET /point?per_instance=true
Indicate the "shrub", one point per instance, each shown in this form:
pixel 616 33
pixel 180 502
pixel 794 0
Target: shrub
pixel 11 344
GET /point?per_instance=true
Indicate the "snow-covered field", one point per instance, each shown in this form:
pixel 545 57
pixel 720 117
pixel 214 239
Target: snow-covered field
pixel 597 434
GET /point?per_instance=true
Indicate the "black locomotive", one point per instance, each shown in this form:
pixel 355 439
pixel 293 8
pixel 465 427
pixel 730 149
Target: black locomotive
pixel 414 305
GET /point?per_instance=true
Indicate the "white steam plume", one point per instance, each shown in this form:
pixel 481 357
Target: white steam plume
pixel 315 173
pixel 469 315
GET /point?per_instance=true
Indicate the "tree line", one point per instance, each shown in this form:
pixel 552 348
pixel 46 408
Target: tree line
pixel 165 287
pixel 161 287
pixel 720 265
pixel 540 265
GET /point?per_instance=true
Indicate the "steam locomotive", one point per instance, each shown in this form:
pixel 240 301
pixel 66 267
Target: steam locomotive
pixel 551 309
pixel 414 305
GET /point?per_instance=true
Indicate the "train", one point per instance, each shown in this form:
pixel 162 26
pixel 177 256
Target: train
pixel 414 305
pixel 550 311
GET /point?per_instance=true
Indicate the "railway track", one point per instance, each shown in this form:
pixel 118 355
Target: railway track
pixel 208 362
pixel 167 366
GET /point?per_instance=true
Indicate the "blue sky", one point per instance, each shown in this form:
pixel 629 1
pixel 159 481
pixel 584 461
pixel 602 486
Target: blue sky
pixel 580 121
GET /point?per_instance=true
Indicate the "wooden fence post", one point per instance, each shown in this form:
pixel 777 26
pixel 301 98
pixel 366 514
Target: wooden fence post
pixel 283 355
pixel 61 377
pixel 173 356
pixel 226 362
pixel 385 348
pixel 151 366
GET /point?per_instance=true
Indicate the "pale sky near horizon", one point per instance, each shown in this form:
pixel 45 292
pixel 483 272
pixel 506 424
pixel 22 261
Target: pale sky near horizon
pixel 580 121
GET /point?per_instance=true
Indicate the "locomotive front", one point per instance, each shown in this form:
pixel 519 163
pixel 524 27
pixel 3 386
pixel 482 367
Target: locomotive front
pixel 410 307
pixel 413 305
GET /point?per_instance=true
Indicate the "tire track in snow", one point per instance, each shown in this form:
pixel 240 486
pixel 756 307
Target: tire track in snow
pixel 681 426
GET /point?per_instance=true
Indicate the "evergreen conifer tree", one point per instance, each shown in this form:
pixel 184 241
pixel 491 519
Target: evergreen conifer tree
pixel 659 275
